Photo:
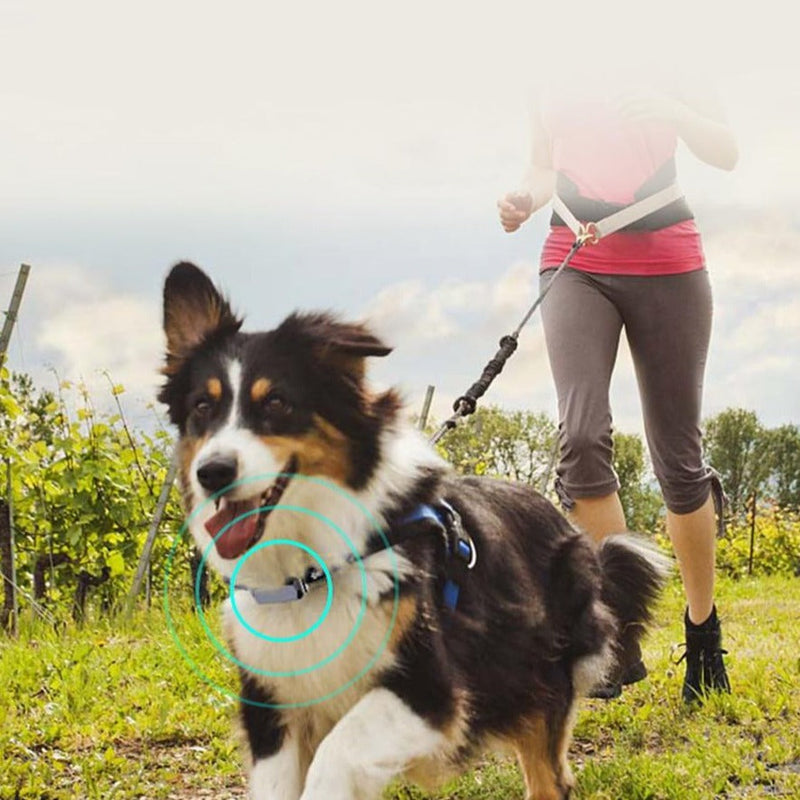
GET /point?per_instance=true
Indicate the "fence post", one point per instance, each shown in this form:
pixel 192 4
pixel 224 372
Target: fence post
pixel 551 463
pixel 752 535
pixel 161 506
pixel 13 309
pixel 9 613
pixel 426 408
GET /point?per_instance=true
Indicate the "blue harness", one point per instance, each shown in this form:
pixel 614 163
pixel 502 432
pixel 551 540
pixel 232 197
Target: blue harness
pixel 460 555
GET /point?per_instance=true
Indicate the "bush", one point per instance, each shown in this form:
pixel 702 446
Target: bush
pixel 84 487
pixel 775 545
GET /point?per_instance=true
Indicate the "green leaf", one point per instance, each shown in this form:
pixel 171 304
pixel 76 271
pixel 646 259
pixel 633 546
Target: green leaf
pixel 116 563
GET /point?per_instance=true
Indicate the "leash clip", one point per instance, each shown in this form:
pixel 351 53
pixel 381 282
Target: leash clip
pixel 303 585
pixel 462 545
pixel 300 587
pixel 588 233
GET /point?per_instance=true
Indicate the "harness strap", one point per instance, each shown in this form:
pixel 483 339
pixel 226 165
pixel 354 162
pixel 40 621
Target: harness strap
pixel 619 219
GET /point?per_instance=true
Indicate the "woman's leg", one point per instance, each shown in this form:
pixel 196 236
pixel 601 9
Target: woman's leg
pixel 693 537
pixel 582 328
pixel 668 324
pixel 599 516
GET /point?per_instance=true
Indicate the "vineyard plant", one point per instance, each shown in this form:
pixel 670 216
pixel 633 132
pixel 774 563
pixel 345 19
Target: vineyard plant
pixel 82 487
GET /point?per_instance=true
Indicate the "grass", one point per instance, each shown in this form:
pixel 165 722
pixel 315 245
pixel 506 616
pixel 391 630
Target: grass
pixel 113 711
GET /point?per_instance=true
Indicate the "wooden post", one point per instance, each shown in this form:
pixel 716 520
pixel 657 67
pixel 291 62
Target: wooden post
pixel 9 613
pixel 12 538
pixel 8 567
pixel 551 463
pixel 13 309
pixel 161 506
pixel 752 536
pixel 7 609
pixel 426 408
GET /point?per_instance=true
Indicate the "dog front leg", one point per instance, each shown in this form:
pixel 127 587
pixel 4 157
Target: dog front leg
pixel 279 776
pixel 277 763
pixel 374 742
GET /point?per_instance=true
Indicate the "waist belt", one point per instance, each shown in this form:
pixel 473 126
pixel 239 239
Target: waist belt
pixel 596 229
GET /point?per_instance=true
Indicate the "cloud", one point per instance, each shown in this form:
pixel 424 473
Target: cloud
pixel 254 121
pixel 409 312
pixel 755 347
pixel 89 328
pixel 446 334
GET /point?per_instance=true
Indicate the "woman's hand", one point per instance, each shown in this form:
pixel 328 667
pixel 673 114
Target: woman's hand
pixel 515 208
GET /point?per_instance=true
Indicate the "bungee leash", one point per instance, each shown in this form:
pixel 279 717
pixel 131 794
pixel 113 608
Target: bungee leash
pixel 468 402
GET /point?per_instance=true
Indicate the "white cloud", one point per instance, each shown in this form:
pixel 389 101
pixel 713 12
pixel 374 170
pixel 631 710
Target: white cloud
pixel 407 312
pixel 446 334
pixel 755 347
pixel 416 315
pixel 89 329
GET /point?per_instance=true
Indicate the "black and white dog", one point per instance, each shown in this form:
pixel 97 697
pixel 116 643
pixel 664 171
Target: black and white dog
pixel 390 618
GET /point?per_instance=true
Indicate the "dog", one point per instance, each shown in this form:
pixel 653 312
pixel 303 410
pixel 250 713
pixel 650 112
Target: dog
pixel 390 618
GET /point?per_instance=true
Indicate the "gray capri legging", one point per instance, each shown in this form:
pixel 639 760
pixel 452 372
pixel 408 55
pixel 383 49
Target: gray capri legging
pixel 667 321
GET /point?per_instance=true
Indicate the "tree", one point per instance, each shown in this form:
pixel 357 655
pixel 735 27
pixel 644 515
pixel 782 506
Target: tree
pixel 738 447
pixel 783 444
pixel 523 446
pixel 83 487
pixel 519 445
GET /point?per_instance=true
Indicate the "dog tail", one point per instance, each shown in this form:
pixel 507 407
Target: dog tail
pixel 634 573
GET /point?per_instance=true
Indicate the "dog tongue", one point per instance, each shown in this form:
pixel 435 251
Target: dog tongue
pixel 238 535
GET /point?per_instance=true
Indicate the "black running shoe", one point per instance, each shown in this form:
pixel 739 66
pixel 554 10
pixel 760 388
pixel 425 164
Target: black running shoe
pixel 705 669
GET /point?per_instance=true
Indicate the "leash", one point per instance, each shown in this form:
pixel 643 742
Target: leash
pixel 585 233
pixel 468 402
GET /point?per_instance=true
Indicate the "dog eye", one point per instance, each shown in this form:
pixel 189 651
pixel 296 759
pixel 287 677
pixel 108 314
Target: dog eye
pixel 275 403
pixel 202 406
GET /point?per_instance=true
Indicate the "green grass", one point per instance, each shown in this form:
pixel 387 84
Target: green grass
pixel 114 711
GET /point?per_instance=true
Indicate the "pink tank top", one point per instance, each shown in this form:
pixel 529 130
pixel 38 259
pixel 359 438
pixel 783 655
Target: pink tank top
pixel 609 158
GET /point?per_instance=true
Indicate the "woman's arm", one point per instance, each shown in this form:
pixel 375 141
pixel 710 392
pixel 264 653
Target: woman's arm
pixel 538 182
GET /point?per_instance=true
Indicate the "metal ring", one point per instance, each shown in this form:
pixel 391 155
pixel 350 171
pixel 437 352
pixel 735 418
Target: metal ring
pixel 589 233
pixel 473 559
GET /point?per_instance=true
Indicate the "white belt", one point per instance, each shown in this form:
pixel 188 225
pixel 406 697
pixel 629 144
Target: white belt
pixel 594 231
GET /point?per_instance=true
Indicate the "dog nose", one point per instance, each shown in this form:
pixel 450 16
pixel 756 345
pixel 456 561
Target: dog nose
pixel 217 473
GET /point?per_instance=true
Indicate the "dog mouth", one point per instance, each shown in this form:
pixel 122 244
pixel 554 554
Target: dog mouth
pixel 238 524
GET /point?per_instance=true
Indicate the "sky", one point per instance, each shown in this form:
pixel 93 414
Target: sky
pixel 348 156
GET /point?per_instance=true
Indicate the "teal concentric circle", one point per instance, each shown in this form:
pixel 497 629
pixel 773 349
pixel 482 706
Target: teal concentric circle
pixel 374 526
pixel 313 667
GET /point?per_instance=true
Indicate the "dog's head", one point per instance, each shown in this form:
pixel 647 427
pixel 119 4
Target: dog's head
pixel 254 410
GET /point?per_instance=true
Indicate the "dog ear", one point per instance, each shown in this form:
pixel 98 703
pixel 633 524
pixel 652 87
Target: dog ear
pixel 345 345
pixel 194 310
pixel 342 345
pixel 352 339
